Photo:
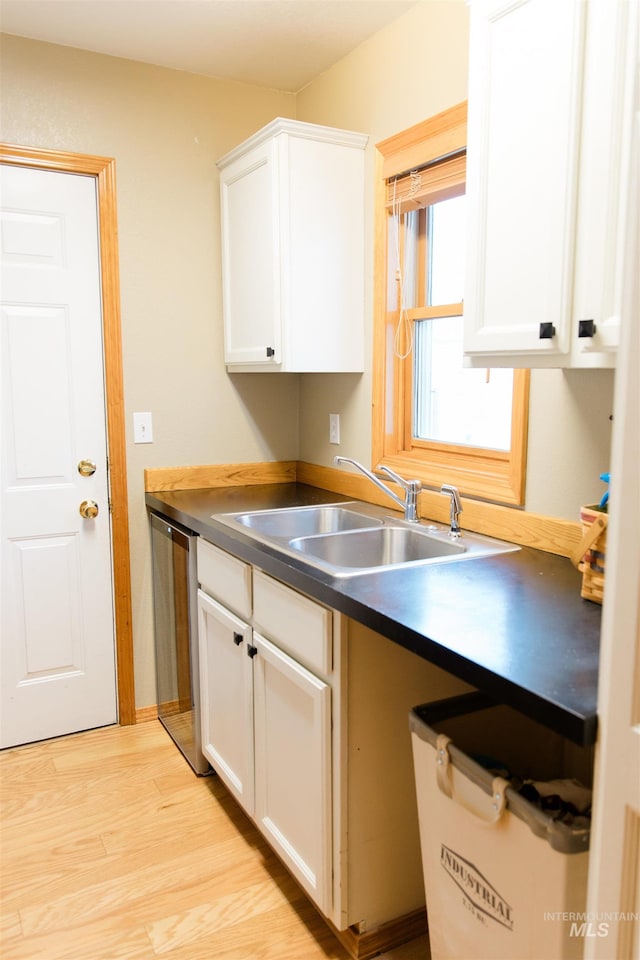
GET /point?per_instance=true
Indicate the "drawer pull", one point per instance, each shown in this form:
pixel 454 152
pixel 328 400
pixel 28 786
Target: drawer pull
pixel 237 639
pixel 587 328
pixel 547 331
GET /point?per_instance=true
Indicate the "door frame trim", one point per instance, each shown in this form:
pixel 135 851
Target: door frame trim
pixel 103 169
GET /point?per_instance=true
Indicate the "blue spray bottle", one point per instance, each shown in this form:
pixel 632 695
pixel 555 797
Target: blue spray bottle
pixel 605 496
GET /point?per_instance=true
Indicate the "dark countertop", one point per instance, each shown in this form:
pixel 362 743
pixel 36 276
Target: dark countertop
pixel 513 625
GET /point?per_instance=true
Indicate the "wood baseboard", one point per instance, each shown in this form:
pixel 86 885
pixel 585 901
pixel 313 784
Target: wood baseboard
pixel 144 714
pixel 370 943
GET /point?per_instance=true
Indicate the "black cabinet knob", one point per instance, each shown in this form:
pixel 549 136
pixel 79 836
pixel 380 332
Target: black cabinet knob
pixel 547 331
pixel 251 650
pixel 271 352
pixel 586 328
pixel 237 639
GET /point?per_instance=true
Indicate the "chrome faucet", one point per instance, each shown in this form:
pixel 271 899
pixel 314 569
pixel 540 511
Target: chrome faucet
pixel 411 487
pixel 456 509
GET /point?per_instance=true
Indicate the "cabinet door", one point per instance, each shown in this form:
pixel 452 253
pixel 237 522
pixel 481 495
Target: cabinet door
pixel 226 695
pixel 604 202
pixel 322 197
pixel 293 767
pixel 251 257
pixel 525 91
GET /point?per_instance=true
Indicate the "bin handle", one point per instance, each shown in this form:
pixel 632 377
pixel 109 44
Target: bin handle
pixel 589 537
pixel 498 786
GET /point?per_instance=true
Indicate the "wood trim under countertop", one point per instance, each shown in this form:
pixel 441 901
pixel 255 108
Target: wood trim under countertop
pixel 219 475
pixel 550 534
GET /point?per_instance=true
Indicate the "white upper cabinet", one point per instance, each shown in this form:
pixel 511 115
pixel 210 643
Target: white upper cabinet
pixel 292 215
pixel 550 118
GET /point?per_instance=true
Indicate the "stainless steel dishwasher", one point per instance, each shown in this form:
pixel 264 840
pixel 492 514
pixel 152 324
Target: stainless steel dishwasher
pixel 173 550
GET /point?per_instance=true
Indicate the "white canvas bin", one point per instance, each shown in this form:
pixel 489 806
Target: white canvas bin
pixel 501 876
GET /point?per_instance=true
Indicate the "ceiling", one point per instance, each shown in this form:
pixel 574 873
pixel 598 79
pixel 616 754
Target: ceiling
pixel 282 44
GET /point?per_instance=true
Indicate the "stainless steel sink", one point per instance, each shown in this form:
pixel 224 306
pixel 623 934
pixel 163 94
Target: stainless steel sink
pixel 346 541
pixel 288 523
pixel 383 547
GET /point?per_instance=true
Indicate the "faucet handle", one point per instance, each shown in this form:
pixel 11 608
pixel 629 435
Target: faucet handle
pixel 413 485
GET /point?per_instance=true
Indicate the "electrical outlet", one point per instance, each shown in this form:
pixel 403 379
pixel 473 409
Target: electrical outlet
pixel 142 428
pixel 334 428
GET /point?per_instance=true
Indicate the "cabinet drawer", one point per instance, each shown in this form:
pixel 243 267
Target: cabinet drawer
pixel 224 577
pixel 298 625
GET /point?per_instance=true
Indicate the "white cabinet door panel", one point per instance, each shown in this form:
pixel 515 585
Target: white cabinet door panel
pixel 251 249
pixel 607 176
pixel 293 767
pixel 523 145
pixel 226 695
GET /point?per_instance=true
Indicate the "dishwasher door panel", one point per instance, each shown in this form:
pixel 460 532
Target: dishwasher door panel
pixel 175 631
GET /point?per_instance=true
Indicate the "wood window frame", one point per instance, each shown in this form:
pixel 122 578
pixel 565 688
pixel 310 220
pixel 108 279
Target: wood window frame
pixel 487 474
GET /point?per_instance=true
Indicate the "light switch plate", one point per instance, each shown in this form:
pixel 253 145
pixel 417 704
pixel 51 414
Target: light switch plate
pixel 142 428
pixel 334 428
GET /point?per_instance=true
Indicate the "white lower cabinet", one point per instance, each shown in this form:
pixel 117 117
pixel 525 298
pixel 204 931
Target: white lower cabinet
pixel 266 717
pixel 305 719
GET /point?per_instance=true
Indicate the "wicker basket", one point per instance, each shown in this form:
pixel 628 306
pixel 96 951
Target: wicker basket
pixel 590 555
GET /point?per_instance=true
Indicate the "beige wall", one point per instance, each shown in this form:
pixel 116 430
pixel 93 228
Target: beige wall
pixel 166 129
pixel 413 69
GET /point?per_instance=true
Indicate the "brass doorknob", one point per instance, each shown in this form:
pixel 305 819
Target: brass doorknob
pixel 86 468
pixel 89 509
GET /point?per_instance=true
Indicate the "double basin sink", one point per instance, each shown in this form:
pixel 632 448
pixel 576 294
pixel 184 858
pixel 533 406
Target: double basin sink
pixel 348 539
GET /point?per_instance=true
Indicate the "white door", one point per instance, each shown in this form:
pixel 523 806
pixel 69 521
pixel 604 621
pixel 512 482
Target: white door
pixel 613 906
pixel 57 626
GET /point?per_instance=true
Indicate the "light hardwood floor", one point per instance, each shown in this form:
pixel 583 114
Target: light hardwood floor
pixel 112 849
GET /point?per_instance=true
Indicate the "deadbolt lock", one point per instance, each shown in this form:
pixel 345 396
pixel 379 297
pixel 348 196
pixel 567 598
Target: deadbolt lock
pixel 86 468
pixel 89 509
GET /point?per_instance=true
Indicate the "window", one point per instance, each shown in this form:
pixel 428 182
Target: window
pixel 433 418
